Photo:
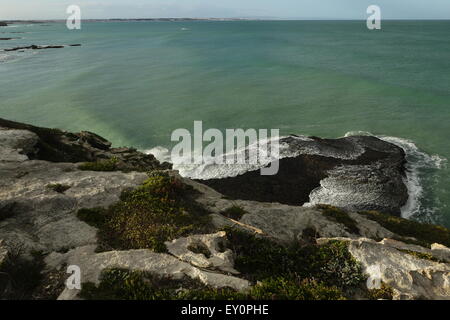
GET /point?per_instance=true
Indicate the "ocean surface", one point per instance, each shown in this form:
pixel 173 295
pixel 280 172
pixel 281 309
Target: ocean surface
pixel 135 82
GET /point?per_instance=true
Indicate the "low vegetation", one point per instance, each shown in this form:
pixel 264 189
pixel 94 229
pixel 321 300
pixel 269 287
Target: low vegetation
pixel 339 216
pixel 120 284
pixel 100 165
pixel 384 293
pixel 200 248
pixel 95 217
pixel 20 275
pixel 425 234
pixel 57 187
pixel 234 212
pixel 162 209
pixel 7 209
pixel 260 258
pixel 421 255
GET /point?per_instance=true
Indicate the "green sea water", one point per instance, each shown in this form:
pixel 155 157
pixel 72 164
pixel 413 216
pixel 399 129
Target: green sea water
pixel 135 82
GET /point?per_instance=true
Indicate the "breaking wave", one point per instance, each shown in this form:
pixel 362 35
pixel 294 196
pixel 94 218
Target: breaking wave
pixel 418 162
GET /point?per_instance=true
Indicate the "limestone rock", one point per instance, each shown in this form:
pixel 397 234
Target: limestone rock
pixel 92 264
pixel 204 251
pixel 440 251
pixel 55 145
pixel 410 277
pixel 16 144
pixel 39 218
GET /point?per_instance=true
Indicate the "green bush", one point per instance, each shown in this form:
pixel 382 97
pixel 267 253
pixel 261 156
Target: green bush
pixel 260 258
pixel 426 234
pixel 384 293
pixel 162 209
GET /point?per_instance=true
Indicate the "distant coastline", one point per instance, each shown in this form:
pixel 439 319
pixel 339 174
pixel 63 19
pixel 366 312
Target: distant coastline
pixel 131 20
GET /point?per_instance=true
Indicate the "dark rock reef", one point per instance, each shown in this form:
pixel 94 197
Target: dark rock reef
pixel 357 173
pixel 36 47
pixel 55 145
pixel 3 24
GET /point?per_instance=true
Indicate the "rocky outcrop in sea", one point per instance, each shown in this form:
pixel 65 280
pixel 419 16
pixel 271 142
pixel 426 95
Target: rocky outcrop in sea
pixel 70 199
pixel 356 173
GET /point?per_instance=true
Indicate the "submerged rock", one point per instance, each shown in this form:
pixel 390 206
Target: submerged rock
pixel 36 47
pixel 356 173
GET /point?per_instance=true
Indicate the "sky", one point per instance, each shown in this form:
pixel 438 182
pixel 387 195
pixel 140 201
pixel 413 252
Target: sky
pixel 283 9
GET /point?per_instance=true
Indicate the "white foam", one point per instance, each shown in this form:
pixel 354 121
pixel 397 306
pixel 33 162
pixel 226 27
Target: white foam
pixel 417 162
pixel 5 57
pixel 160 153
pixel 211 169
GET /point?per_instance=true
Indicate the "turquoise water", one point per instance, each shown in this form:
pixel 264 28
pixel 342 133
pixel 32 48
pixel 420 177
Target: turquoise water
pixel 136 82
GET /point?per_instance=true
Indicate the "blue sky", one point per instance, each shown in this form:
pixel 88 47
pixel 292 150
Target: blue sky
pixel 303 9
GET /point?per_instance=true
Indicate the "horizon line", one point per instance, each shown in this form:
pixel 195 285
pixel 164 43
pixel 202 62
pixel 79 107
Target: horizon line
pixel 228 18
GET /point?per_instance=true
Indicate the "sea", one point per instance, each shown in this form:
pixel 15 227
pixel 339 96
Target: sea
pixel 135 82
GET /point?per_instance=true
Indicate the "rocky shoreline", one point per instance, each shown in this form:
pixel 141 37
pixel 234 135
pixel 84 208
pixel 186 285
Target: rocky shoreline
pixel 71 199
